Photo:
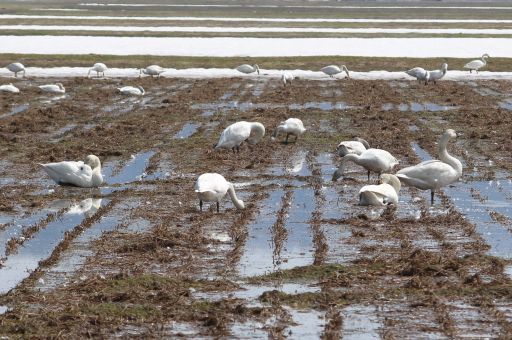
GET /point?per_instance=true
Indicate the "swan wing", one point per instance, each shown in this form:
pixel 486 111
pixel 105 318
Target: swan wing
pixel 211 182
pixel 474 64
pixel 245 68
pixel 417 72
pixel 68 172
pixel 234 135
pixel 384 193
pixel 350 146
pixel 331 69
pixel 428 175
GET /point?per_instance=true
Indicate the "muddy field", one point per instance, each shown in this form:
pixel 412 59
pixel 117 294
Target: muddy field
pixel 136 258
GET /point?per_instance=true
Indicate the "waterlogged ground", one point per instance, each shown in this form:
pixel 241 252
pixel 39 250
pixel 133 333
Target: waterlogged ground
pixel 136 258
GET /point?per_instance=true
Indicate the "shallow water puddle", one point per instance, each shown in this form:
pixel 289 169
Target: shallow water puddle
pixel 133 170
pixel 479 201
pixel 309 324
pixel 21 264
pixel 361 322
pixel 324 106
pixel 187 130
pixel 506 104
pixel 472 322
pixel 417 107
pixel 15 110
pixel 61 133
pixel 296 165
pixel 418 322
pixel 248 330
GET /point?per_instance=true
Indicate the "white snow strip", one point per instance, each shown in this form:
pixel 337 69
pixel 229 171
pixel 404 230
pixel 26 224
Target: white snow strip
pixel 60 9
pixel 228 73
pixel 293 6
pixel 259 29
pixel 231 19
pixel 259 47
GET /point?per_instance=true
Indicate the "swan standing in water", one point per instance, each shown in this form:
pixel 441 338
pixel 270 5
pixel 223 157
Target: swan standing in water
pixel 9 88
pixel 477 63
pixel 376 160
pixel 435 173
pixel 287 78
pixel 386 192
pixel 212 187
pixel 86 174
pixel 53 88
pixel 438 74
pixel 332 70
pixel 153 70
pixel 292 126
pixel 235 134
pixel 131 90
pixel 16 68
pixel 419 73
pixel 247 69
pixel 356 146
pixel 98 68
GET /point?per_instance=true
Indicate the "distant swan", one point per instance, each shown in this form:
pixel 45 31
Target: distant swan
pixel 212 187
pixel 332 70
pixel 16 68
pixel 153 70
pixel 98 68
pixel 131 90
pixel 477 63
pixel 9 88
pixel 376 160
pixel 246 68
pixel 386 192
pixel 434 174
pixel 53 88
pixel 356 146
pixel 419 73
pixel 438 74
pixel 84 174
pixel 292 126
pixel 235 134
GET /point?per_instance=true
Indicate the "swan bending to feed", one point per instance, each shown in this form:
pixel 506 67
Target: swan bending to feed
pixel 246 68
pixel 356 146
pixel 212 187
pixel 9 88
pixel 332 70
pixel 386 192
pixel 86 174
pixel 477 63
pixel 287 78
pixel 292 126
pixel 16 68
pixel 53 88
pixel 235 134
pixel 376 160
pixel 438 74
pixel 419 73
pixel 435 173
pixel 153 70
pixel 98 68
pixel 131 90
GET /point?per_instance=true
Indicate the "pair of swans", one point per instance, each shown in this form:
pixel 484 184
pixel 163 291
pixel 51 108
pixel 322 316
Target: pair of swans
pixel 423 75
pixel 477 63
pixel 212 187
pixel 16 68
pixel 53 88
pixel 86 174
pixel 9 88
pixel 131 90
pixel 98 68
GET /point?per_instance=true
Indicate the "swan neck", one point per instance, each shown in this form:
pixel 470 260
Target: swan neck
pixel 239 204
pixel 445 157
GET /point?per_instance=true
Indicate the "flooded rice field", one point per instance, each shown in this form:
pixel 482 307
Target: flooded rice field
pixel 137 258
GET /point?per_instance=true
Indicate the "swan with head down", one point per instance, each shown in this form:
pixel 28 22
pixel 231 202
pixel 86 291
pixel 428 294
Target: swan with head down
pixel 16 68
pixel 376 160
pixel 212 187
pixel 290 127
pixel 248 69
pixel 434 174
pixel 237 133
pixel 333 70
pixel 356 146
pixel 386 192
pixel 9 88
pixel 153 70
pixel 53 88
pixel 86 174
pixel 98 68
pixel 131 90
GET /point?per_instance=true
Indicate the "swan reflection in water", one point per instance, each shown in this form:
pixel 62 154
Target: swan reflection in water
pixel 88 207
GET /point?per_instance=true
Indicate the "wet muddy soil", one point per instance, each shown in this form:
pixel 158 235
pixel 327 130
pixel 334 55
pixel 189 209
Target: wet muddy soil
pixel 136 257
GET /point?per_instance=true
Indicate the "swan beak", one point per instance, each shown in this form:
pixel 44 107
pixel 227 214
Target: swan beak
pixel 335 176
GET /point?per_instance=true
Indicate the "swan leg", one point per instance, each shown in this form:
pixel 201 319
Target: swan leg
pixel 286 141
pixel 200 205
pixel 218 206
pixel 368 175
pixel 432 197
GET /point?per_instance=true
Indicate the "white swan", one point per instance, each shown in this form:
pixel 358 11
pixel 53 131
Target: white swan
pixel 419 73
pixel 356 146
pixel 434 174
pixel 84 174
pixel 153 70
pixel 131 90
pixel 376 160
pixel 386 192
pixel 437 74
pixel 291 126
pixel 98 68
pixel 332 70
pixel 16 68
pixel 9 88
pixel 246 68
pixel 287 78
pixel 477 63
pixel 235 134
pixel 53 88
pixel 212 187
